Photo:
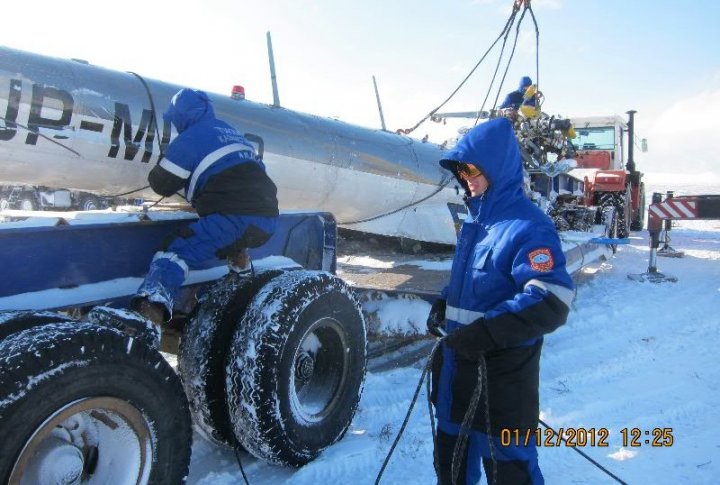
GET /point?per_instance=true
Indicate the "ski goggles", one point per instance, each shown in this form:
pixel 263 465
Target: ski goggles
pixel 468 171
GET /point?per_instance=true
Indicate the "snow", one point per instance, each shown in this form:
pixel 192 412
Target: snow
pixel 632 355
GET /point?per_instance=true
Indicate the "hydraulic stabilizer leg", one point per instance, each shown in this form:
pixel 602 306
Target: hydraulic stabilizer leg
pixel 652 274
pixel 668 251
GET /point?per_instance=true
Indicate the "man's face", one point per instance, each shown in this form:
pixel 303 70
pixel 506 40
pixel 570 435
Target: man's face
pixel 477 183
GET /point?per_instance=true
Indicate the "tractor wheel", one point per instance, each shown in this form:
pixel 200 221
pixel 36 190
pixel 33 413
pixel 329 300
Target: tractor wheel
pixel 639 220
pixel 610 220
pixel 204 347
pixel 296 367
pixel 86 404
pixel 621 204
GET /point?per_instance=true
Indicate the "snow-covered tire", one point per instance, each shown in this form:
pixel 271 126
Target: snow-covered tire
pixel 296 367
pixel 12 322
pixel 78 399
pixel 621 203
pixel 203 351
pixel 611 222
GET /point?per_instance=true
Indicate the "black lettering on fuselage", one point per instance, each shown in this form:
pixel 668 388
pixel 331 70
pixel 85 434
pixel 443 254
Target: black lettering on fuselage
pixel 10 128
pixel 146 129
pixel 36 120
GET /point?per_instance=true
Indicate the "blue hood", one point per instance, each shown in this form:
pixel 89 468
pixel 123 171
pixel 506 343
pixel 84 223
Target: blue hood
pixel 525 82
pixel 187 107
pixel 493 148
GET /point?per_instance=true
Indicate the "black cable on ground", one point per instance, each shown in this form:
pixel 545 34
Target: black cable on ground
pixel 236 449
pixel 425 372
pixel 585 455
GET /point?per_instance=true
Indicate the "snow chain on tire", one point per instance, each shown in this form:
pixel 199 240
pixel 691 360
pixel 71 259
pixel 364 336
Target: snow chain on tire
pixel 296 367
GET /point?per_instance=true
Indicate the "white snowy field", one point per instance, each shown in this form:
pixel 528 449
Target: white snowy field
pixel 632 355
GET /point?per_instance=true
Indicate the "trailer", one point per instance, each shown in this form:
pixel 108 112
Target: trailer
pixel 273 363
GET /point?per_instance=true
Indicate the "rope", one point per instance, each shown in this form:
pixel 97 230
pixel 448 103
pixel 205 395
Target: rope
pixel 497 66
pixel 425 372
pixel 512 54
pixel 443 184
pixel 37 132
pixel 461 443
pixel 585 455
pixel 407 131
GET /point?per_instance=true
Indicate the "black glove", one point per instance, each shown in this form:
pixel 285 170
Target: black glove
pixel 471 341
pixel 436 318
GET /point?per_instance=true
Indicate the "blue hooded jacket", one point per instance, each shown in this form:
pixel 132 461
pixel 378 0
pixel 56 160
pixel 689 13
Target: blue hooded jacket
pixel 214 163
pixel 508 272
pixel 515 98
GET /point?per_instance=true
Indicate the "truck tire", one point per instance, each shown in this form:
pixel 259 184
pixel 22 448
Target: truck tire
pixel 12 322
pixel 204 347
pixel 296 367
pixel 81 401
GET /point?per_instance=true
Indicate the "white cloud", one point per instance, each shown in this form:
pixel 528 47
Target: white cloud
pixel 684 137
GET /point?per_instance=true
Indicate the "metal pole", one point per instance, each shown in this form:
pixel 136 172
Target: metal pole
pixel 654 230
pixel 631 141
pixel 377 96
pixel 273 78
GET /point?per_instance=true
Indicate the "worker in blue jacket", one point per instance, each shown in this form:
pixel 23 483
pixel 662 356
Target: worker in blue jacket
pixel 218 172
pixel 516 98
pixel 508 287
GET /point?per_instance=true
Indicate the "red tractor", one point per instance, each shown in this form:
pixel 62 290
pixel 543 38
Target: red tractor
pixel 603 188
pixel 606 164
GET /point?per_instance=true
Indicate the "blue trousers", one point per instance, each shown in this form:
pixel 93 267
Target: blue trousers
pixel 515 465
pixel 207 238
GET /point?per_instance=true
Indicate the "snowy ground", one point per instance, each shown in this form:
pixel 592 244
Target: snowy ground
pixel 632 355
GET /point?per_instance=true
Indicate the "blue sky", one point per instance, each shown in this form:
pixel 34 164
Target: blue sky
pixel 596 57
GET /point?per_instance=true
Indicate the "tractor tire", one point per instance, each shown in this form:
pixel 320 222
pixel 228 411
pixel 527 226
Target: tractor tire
pixel 639 220
pixel 204 347
pixel 610 220
pixel 621 204
pixel 85 403
pixel 296 367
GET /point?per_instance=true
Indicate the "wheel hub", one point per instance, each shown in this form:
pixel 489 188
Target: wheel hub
pixel 59 462
pixel 304 366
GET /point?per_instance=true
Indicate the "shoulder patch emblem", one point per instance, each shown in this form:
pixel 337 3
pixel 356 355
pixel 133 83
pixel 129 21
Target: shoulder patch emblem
pixel 541 260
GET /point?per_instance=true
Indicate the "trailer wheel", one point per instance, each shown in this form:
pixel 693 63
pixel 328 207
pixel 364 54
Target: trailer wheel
pixel 89 202
pixel 27 202
pixel 81 403
pixel 296 367
pixel 204 347
pixel 4 201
